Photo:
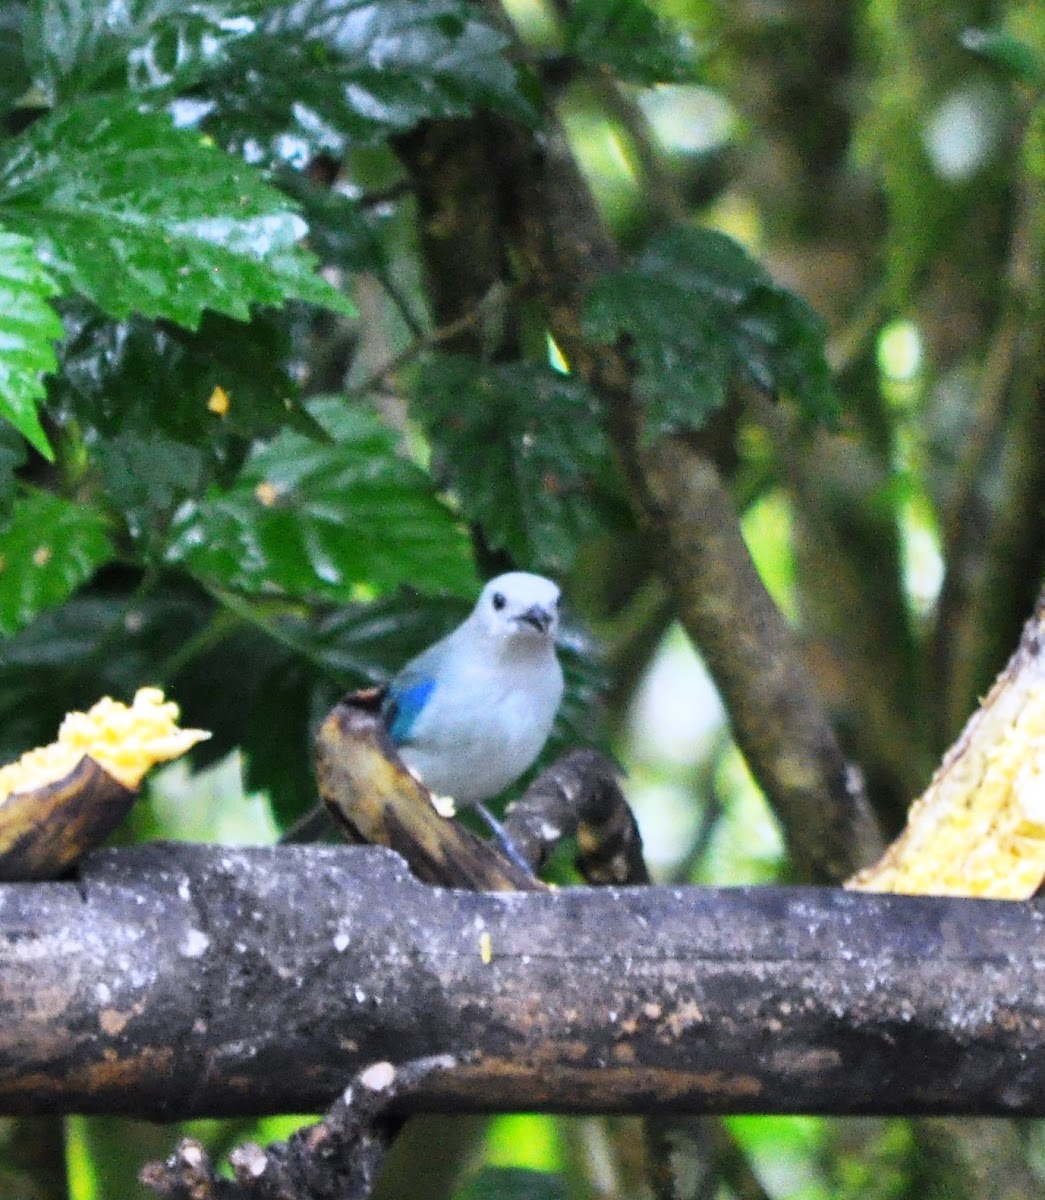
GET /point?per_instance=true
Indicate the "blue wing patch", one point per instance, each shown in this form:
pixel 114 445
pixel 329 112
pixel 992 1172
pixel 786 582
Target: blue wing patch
pixel 403 708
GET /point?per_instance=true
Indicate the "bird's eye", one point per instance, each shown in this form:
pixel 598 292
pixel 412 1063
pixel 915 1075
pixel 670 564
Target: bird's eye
pixel 498 601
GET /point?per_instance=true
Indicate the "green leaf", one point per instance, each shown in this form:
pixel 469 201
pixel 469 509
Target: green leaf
pixel 340 229
pixel 14 74
pixel 12 456
pixel 140 377
pixel 142 217
pixel 29 327
pixel 315 520
pixel 631 39
pixel 75 46
pixel 98 643
pixel 698 312
pixel 522 448
pixel 146 477
pixel 321 75
pixel 50 546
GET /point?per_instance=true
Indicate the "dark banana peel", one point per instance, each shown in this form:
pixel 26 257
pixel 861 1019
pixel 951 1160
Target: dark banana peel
pixel 373 798
pixel 45 830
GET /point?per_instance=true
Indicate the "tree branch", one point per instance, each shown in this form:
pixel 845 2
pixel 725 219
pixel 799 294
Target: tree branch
pixel 684 505
pixel 177 981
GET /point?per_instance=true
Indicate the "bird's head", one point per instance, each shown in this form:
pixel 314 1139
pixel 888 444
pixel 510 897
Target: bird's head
pixel 519 606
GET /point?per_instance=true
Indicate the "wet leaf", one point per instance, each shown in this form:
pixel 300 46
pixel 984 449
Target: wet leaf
pixel 75 46
pixel 29 327
pixel 142 217
pixel 321 75
pixel 317 520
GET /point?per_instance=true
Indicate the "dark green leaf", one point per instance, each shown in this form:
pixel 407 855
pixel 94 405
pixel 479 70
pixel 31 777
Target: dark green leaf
pixel 142 217
pixel 360 645
pixel 312 520
pixel 221 684
pixel 14 74
pixel 324 74
pixel 522 447
pixel 145 478
pixel 98 643
pixel 1016 57
pixel 78 45
pixel 698 312
pixel 29 327
pixel 279 738
pixel 12 456
pixel 140 377
pixel 340 230
pixel 50 546
pixel 631 38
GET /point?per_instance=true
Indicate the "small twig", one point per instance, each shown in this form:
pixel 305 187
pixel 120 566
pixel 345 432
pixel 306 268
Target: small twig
pixel 339 1158
pixel 428 341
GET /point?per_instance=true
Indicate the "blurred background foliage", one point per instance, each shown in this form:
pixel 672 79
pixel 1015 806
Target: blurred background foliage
pixel 241 459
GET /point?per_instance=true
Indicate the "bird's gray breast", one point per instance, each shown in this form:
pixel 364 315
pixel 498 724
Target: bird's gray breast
pixel 483 727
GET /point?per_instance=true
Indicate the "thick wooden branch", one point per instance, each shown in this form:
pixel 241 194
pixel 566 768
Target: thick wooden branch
pixel 179 981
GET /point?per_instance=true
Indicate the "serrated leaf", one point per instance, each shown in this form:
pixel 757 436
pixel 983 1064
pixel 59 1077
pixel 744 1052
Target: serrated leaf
pixel 522 448
pixel 698 312
pixel 142 217
pixel 631 39
pixel 49 547
pixel 29 327
pixel 315 520
pixel 321 75
pixel 74 46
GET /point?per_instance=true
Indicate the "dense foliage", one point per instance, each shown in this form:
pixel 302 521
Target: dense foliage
pixel 243 457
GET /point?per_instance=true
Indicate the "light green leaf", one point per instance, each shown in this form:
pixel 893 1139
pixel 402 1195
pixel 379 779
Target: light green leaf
pixel 312 519
pixel 142 217
pixel 29 327
pixel 49 547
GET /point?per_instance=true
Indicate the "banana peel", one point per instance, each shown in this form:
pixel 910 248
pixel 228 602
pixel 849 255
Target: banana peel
pixel 979 828
pixel 374 799
pixel 58 801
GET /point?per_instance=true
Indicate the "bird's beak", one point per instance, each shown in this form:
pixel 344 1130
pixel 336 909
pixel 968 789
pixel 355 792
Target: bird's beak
pixel 540 618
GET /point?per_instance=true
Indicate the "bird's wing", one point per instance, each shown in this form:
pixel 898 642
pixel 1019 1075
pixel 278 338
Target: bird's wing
pixel 402 708
pixel 410 691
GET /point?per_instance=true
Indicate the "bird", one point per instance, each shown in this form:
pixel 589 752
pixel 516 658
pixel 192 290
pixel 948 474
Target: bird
pixel 470 714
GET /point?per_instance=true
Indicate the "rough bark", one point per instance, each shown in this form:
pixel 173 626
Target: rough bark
pixel 178 981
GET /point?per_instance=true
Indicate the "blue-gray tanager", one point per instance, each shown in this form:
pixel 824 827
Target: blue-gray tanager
pixel 471 713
